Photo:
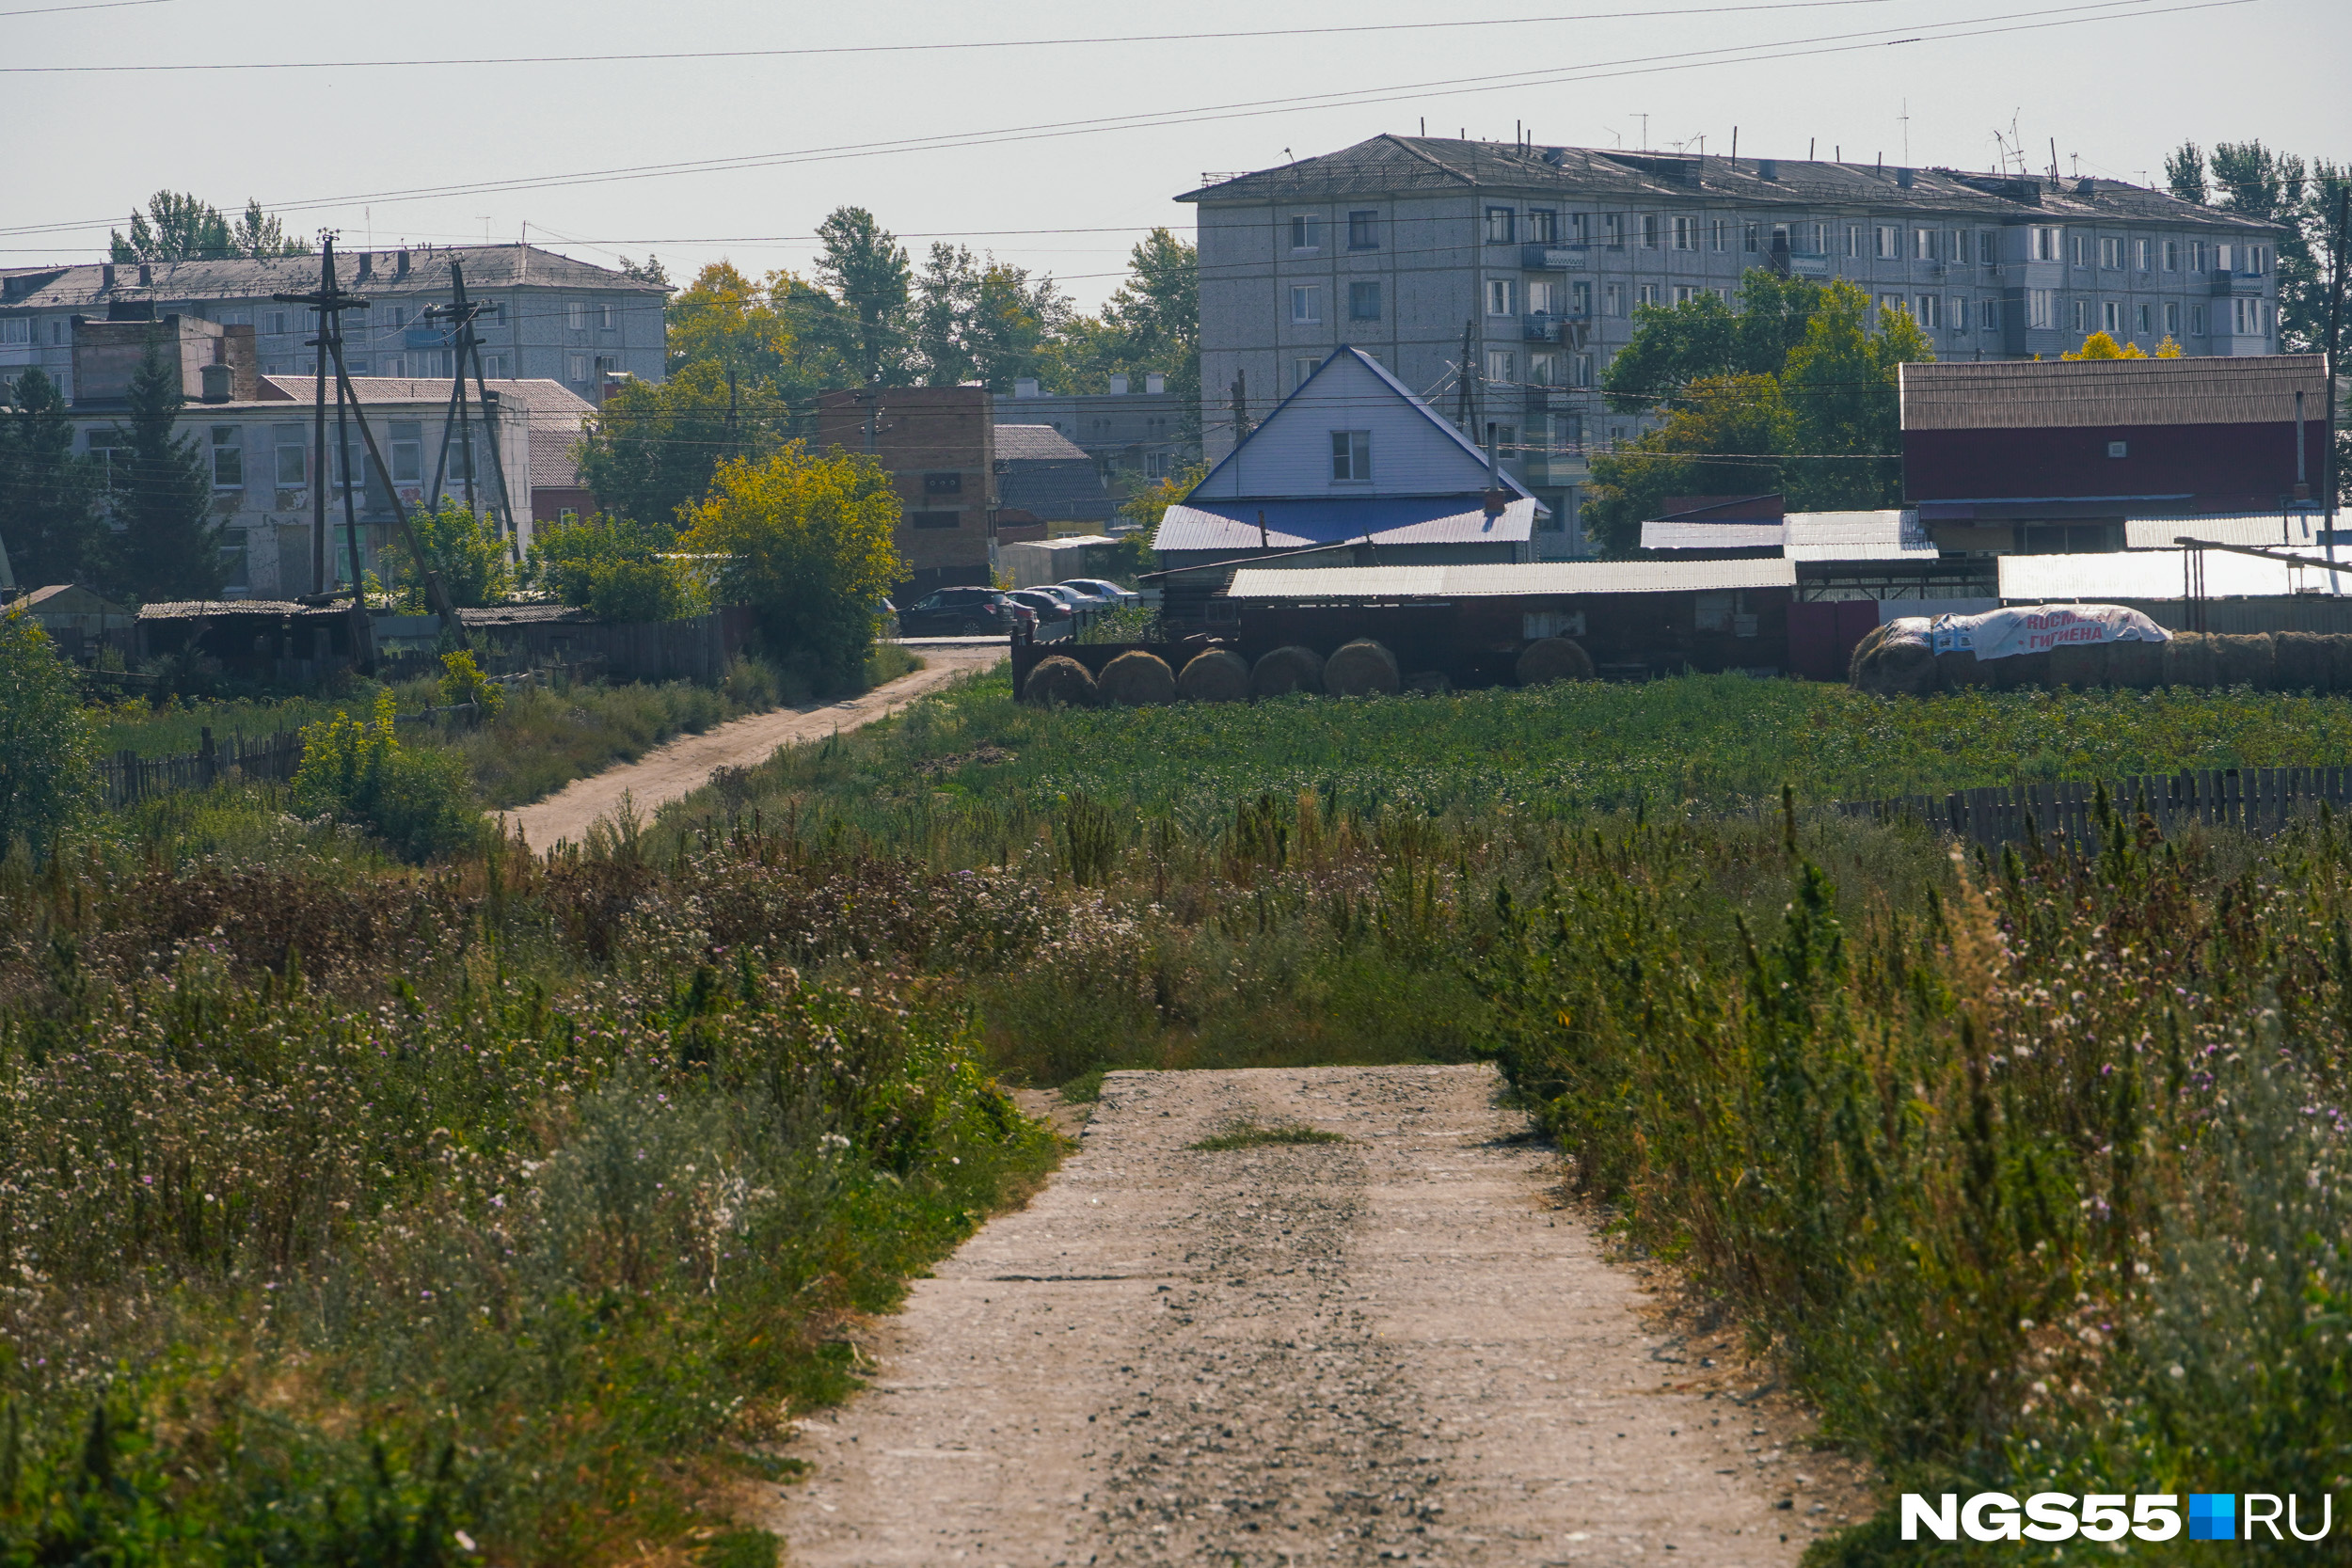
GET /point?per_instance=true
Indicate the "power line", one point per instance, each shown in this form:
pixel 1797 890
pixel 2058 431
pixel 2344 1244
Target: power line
pixel 96 5
pixel 1353 97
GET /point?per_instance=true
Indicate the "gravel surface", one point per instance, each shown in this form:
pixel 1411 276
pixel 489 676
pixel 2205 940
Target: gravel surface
pixel 1401 1347
pixel 674 771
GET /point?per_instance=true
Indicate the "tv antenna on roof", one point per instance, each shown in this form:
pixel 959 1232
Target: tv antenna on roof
pixel 1644 119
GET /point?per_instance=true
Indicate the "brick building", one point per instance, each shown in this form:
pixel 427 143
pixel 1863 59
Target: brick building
pixel 938 444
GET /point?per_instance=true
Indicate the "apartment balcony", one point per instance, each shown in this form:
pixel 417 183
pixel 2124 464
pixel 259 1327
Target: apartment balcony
pixel 1560 327
pixel 1805 263
pixel 1556 466
pixel 2223 283
pixel 1536 257
pixel 1554 400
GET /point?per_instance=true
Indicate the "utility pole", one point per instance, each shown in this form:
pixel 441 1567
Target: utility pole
pixel 462 313
pixel 1463 414
pixel 329 301
pixel 2327 462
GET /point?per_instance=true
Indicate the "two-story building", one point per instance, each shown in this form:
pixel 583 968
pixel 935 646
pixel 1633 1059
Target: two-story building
pixel 545 318
pixel 1129 430
pixel 1525 264
pixel 938 444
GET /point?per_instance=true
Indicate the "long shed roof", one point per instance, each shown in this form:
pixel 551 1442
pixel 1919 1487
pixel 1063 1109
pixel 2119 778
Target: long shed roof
pixel 2077 393
pixel 1545 579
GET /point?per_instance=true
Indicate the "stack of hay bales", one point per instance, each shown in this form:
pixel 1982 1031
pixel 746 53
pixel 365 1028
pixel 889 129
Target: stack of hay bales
pixel 1360 669
pixel 1060 681
pixel 1218 675
pixel 1894 660
pixel 2300 662
pixel 1287 669
pixel 2135 666
pixel 1136 679
pixel 2189 660
pixel 1553 658
pixel 2246 660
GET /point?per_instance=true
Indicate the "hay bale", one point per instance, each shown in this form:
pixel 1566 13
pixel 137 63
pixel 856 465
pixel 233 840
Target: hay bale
pixel 2301 661
pixel 1863 650
pixel 2338 660
pixel 1553 658
pixel 1218 675
pixel 1900 667
pixel 1361 668
pixel 1958 668
pixel 2080 665
pixel 1435 683
pixel 2020 672
pixel 2189 660
pixel 1060 681
pixel 1135 678
pixel 2245 661
pixel 2135 666
pixel 1285 670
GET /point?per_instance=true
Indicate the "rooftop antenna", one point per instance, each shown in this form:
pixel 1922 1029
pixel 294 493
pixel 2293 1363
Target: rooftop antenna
pixel 2077 160
pixel 1644 119
pixel 2054 161
pixel 1905 119
pixel 486 227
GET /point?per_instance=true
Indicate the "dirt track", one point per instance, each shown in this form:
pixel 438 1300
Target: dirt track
pixel 683 765
pixel 1398 1348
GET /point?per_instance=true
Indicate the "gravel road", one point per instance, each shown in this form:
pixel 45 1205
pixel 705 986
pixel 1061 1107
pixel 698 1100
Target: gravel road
pixel 674 770
pixel 1396 1347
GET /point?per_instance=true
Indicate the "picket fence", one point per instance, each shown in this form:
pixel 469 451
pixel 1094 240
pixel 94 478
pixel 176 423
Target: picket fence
pixel 2257 800
pixel 128 777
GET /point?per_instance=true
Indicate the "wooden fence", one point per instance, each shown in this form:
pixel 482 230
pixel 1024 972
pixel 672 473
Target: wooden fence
pixel 2258 801
pixel 128 777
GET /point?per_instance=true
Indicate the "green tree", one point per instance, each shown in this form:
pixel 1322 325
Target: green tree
pixel 182 228
pixel 257 234
pixel 1705 339
pixel 1152 325
pixel 48 492
pixel 725 318
pixel 2185 172
pixel 475 566
pixel 47 752
pixel 865 268
pixel 1726 434
pixel 809 542
pixel 652 450
pixel 615 568
pixel 1845 418
pixel 169 546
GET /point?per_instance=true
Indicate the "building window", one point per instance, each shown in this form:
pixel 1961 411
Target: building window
pixel 2082 315
pixel 1923 245
pixel 1959 318
pixel 56 332
pixel 228 458
pixel 1684 294
pixel 1363 231
pixel 1500 226
pixel 293 452
pixel 1502 365
pixel 2040 309
pixel 1580 299
pixel 1645 293
pixel 2111 318
pixel 2258 259
pixel 1886 241
pixel 1363 302
pixel 2196 321
pixel 1612 230
pixel 1301 369
pixel 1306 232
pixel 1894 303
pixel 1543 368
pixel 2245 316
pixel 1717 233
pixel 1503 439
pixel 1351 456
pixel 608 364
pixel 1583 370
pixel 2041 244
pixel 1498 297
pixel 2197 256
pixel 1990 318
pixel 576 315
pixel 2147 319
pixel 2171 255
pixel 1686 233
pixel 1543 226
pixel 608 317
pixel 1543 298
pixel 1751 237
pixel 1613 299
pixel 2142 254
pixel 494 367
pixel 1579 226
pixel 1306 303
pixel 274 323
pixel 579 366
pixel 948 484
pixel 1650 230
pixel 15 329
pixel 408 453
pixel 1931 311
pixel 934 519
pixel 2172 319
pixel 2110 252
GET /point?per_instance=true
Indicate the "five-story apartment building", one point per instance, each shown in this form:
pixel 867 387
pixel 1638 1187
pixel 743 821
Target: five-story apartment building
pixel 1537 257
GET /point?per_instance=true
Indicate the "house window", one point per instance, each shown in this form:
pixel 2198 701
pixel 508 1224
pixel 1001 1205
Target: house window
pixel 1543 226
pixel 2172 319
pixel 2110 252
pixel 1351 456
pixel 15 329
pixel 408 453
pixel 2247 315
pixel 2197 256
pixel 1306 303
pixel 56 332
pixel 934 519
pixel 1930 312
pixel 2196 321
pixel 1543 298
pixel 1889 240
pixel 290 446
pixel 1301 369
pixel 2141 254
pixel 228 458
pixel 1498 297
pixel 1502 365
pixel 2147 319
pixel 1363 302
pixel 1580 298
pixel 1500 226
pixel 1579 226
pixel 274 323
pixel 1646 294
pixel 1717 233
pixel 1854 239
pixel 1684 294
pixel 608 364
pixel 1306 232
pixel 1613 299
pixel 947 483
pixel 1543 368
pixel 2258 259
pixel 1363 231
pixel 2041 244
pixel 1583 370
pixel 579 366
pixel 1686 233
pixel 1894 303
pixel 1650 230
pixel 2082 315
pixel 1990 320
pixel 2040 308
pixel 2171 255
pixel 2081 250
pixel 1612 230
pixel 1751 237
pixel 494 367
pixel 1923 245
pixel 395 364
pixel 608 317
pixel 2111 318
pixel 1958 317
pixel 1985 255
pixel 1956 245
pixel 576 315
pixel 1503 439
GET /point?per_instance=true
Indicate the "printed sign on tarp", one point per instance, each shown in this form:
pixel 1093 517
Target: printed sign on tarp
pixel 2038 628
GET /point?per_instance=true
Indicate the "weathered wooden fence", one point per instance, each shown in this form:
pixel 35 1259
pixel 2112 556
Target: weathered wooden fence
pixel 2259 801
pixel 128 777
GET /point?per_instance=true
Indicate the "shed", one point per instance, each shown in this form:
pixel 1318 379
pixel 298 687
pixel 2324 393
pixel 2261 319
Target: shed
pixel 78 622
pixel 1035 562
pixel 1043 476
pixel 256 638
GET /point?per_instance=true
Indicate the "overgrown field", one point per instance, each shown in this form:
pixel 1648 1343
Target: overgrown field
pixel 548 1183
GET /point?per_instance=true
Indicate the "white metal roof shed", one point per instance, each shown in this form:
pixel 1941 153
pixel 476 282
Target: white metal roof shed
pixel 2270 529
pixel 2152 575
pixel 1545 577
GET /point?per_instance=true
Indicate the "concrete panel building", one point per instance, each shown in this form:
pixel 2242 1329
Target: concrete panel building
pixel 1400 245
pixel 1132 429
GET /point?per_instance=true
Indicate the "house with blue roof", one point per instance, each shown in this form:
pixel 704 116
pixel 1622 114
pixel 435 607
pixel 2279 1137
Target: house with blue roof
pixel 1352 469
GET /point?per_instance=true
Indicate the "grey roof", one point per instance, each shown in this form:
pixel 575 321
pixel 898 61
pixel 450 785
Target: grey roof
pixel 1546 578
pixel 2268 530
pixel 1231 528
pixel 1042 472
pixel 2082 393
pixel 81 285
pixel 1031 442
pixel 2156 575
pixel 1399 165
pixel 193 609
pixel 521 615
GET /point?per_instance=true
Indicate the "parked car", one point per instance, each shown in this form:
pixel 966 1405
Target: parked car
pixel 1054 616
pixel 1103 587
pixel 964 612
pixel 1075 598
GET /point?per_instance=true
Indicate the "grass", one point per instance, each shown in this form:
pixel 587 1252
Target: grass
pixel 1251 1134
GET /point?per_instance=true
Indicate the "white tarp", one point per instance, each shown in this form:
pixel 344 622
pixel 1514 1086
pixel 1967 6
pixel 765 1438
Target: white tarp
pixel 2038 628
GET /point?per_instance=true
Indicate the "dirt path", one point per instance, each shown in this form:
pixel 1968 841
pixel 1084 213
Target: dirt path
pixel 683 765
pixel 1397 1348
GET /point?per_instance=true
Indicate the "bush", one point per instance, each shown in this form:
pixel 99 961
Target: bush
pixel 46 753
pixel 475 566
pixel 462 681
pixel 420 803
pixel 614 568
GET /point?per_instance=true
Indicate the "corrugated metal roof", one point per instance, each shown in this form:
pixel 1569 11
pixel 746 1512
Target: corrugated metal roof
pixel 2265 529
pixel 1658 534
pixel 1022 442
pixel 1548 578
pixel 1887 535
pixel 2152 575
pixel 1388 520
pixel 2012 394
pixel 494 266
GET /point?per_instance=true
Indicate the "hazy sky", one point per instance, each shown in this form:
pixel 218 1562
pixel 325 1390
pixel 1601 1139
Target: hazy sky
pixel 338 146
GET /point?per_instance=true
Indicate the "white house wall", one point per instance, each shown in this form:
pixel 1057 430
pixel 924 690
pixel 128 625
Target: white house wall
pixel 1289 456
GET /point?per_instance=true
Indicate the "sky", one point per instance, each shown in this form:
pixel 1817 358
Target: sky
pixel 1053 134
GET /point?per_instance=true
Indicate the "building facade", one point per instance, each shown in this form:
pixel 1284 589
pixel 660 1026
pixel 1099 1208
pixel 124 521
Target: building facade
pixel 1127 431
pixel 938 445
pixel 547 317
pixel 1530 261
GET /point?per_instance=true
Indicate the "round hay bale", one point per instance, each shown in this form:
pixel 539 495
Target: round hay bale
pixel 1553 658
pixel 2135 666
pixel 1361 668
pixel 2080 665
pixel 2189 660
pixel 2338 660
pixel 1219 675
pixel 1958 668
pixel 1900 667
pixel 2021 672
pixel 1285 670
pixel 2302 661
pixel 1136 679
pixel 2245 661
pixel 1435 683
pixel 1059 681
pixel 1863 650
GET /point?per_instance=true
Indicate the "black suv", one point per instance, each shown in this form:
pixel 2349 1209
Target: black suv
pixel 964 612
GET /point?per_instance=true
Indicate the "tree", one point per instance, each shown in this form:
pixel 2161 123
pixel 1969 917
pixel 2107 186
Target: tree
pixel 48 492
pixel 464 549
pixel 169 548
pixel 47 752
pixel 985 321
pixel 615 568
pixel 1150 325
pixel 257 234
pixel 809 542
pixel 648 271
pixel 182 228
pixel 725 318
pixel 1845 412
pixel 2185 172
pixel 867 270
pixel 1703 338
pixel 1725 436
pixel 2100 346
pixel 652 450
